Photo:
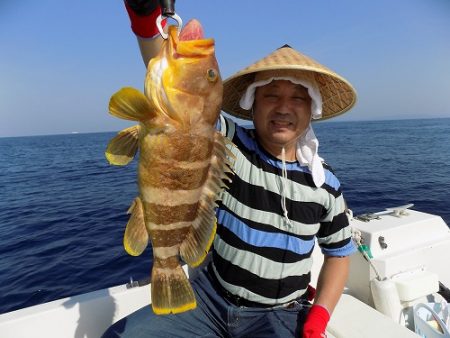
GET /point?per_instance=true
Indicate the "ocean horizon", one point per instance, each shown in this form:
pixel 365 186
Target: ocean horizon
pixel 63 207
pixel 241 122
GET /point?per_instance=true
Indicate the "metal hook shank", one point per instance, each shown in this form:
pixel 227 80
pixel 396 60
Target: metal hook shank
pixel 160 27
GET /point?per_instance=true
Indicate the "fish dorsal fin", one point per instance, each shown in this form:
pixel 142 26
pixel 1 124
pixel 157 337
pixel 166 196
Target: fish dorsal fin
pixel 122 148
pixel 130 104
pixel 135 239
pixel 195 247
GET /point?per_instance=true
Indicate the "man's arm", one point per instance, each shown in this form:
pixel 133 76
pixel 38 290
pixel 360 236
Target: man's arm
pixel 149 47
pixel 331 282
pixel 143 15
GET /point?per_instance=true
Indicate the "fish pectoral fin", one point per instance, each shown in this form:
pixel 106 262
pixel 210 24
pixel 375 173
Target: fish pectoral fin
pixel 198 241
pixel 171 291
pixel 122 148
pixel 130 104
pixel 135 239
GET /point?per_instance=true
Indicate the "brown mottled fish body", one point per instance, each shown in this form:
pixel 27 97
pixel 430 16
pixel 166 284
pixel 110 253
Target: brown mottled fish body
pixel 182 162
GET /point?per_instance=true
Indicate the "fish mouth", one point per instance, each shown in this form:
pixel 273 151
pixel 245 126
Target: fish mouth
pixel 193 30
pixel 190 42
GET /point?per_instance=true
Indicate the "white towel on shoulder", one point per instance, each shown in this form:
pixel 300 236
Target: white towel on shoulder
pixel 308 155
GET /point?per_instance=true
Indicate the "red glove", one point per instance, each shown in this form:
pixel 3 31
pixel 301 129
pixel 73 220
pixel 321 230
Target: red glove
pixel 143 15
pixel 316 322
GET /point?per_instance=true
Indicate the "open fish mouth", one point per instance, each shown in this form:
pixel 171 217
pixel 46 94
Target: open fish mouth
pixel 191 41
pixel 193 30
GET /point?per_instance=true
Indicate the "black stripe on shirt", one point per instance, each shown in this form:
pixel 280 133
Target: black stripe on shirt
pixel 269 288
pixel 257 197
pixel 338 223
pixel 336 245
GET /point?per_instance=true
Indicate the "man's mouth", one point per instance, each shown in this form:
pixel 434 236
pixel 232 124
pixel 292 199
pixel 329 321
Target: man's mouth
pixel 281 124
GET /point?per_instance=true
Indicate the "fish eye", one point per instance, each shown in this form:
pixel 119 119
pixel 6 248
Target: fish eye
pixel 211 75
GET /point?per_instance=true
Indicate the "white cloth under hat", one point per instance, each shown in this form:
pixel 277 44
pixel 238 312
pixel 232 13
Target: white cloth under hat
pixel 308 145
pixel 248 98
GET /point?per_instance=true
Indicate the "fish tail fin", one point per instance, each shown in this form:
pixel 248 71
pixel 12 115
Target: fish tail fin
pixel 171 291
pixel 197 243
pixel 122 148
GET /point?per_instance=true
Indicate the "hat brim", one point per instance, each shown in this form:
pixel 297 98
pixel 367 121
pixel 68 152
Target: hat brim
pixel 338 95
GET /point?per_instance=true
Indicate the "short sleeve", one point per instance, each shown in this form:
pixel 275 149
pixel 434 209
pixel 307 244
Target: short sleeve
pixel 335 235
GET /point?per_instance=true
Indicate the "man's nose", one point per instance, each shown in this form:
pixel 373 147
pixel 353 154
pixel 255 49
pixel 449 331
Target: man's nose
pixel 283 106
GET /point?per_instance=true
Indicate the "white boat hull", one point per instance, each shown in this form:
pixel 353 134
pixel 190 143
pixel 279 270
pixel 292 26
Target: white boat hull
pixel 86 315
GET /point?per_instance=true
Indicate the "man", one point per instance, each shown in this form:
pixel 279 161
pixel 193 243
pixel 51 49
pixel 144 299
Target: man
pixel 283 196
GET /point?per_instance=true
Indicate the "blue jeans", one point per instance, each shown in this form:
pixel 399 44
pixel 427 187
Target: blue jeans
pixel 214 316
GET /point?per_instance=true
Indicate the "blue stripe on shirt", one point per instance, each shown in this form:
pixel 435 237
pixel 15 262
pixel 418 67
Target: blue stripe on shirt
pixel 261 238
pixel 346 250
pixel 331 180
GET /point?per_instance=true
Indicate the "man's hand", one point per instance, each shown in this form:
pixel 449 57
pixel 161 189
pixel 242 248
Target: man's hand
pixel 143 15
pixel 316 322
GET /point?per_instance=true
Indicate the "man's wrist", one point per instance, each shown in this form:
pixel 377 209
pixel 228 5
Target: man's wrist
pixel 324 307
pixel 316 321
pixel 144 26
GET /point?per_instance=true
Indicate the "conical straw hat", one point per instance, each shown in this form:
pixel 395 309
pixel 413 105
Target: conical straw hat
pixel 338 95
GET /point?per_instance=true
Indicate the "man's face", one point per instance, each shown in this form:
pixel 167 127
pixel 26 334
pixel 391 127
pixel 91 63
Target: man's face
pixel 282 112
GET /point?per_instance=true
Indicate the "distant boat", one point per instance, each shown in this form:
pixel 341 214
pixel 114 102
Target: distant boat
pixel 75 132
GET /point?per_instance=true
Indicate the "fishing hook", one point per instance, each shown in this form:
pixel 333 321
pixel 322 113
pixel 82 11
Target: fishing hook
pixel 160 27
pixel 167 11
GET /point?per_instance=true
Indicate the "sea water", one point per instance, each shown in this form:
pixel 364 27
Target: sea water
pixel 63 207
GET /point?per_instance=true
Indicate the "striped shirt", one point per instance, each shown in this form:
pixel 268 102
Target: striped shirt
pixel 257 254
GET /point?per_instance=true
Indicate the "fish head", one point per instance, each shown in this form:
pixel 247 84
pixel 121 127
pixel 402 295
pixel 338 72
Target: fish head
pixel 183 81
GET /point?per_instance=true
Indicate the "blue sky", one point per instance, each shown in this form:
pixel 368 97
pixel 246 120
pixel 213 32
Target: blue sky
pixel 61 61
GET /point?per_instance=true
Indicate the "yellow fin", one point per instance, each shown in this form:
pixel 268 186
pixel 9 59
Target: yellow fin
pixel 130 104
pixel 122 148
pixel 171 291
pixel 198 241
pixel 135 239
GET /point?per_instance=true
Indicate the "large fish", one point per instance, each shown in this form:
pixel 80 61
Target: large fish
pixel 183 161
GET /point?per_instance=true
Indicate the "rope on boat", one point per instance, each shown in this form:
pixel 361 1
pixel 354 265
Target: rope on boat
pixel 362 248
